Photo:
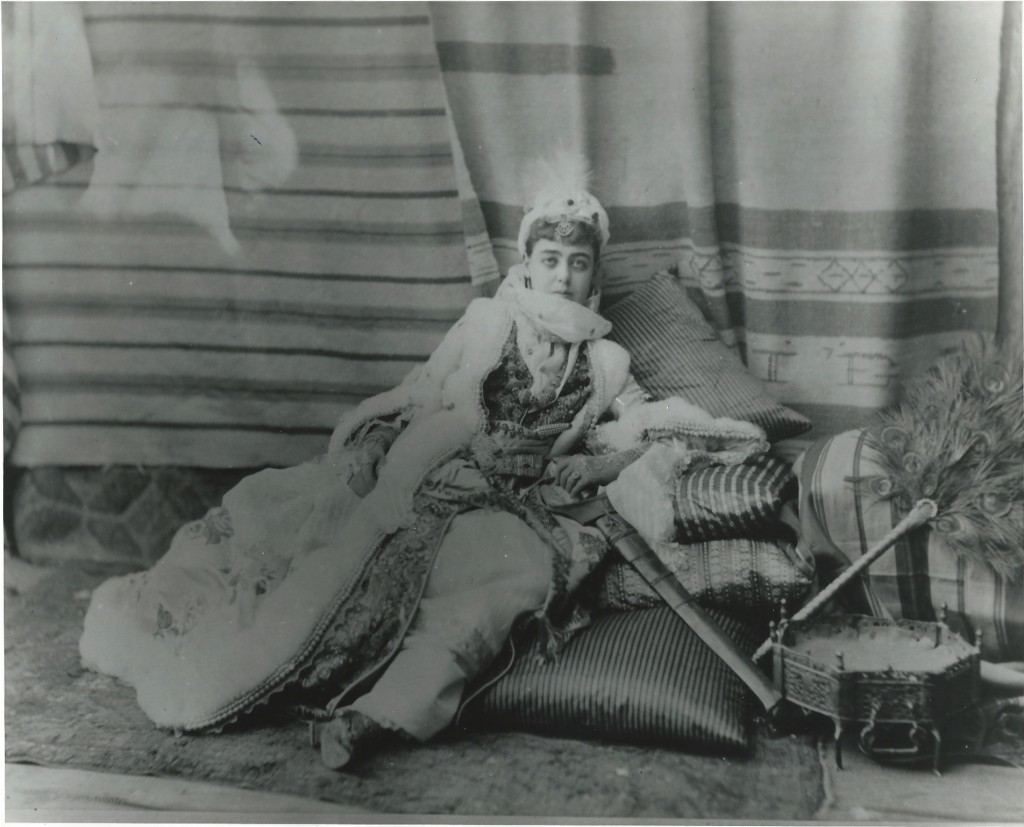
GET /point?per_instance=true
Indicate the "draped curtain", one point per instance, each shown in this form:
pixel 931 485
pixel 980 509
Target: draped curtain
pixel 821 176
pixel 269 232
pixel 291 202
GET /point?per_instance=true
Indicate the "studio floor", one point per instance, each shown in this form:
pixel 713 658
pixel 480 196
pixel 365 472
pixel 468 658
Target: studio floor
pixel 862 792
pixel 77 748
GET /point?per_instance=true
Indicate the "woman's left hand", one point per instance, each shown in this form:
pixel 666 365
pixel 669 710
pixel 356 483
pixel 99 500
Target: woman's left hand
pixel 574 474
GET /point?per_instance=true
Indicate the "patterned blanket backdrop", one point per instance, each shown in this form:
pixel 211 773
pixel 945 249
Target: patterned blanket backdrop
pixel 822 175
pixel 290 202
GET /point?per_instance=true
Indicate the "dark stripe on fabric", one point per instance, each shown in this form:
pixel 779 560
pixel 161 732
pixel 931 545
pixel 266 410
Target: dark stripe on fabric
pixel 426 112
pixel 440 233
pixel 913 582
pixel 912 229
pixel 168 307
pixel 309 74
pixel 525 58
pixel 371 195
pixel 93 19
pixel 999 614
pixel 179 426
pixel 321 156
pixel 204 61
pixel 876 604
pixel 207 386
pixel 43 160
pixel 807 230
pixel 1011 616
pixel 472 218
pixel 226 271
pixel 76 152
pixel 14 163
pixel 11 429
pixel 382 151
pixel 961 599
pixel 354 356
pixel 898 318
pixel 659 223
pixel 11 391
pixel 858 502
pixel 834 419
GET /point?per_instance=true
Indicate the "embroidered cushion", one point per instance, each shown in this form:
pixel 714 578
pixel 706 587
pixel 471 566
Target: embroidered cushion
pixel 672 495
pixel 915 578
pixel 731 500
pixel 638 677
pixel 746 576
pixel 676 352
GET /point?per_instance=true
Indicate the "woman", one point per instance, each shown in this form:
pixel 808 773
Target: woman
pixel 373 582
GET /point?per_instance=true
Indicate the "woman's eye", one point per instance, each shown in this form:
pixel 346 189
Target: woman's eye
pixel 549 262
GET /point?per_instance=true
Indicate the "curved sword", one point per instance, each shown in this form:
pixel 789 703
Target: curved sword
pixel 630 545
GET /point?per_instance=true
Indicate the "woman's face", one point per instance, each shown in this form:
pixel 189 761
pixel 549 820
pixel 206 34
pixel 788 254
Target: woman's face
pixel 566 270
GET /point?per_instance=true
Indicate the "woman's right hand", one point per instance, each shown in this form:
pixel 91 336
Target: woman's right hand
pixel 368 464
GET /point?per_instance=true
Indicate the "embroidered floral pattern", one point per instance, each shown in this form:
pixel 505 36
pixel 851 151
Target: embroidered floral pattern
pixel 369 625
pixel 215 526
pixel 507 390
pixel 169 625
pixel 165 622
pixel 370 620
pixel 589 550
pixel 257 573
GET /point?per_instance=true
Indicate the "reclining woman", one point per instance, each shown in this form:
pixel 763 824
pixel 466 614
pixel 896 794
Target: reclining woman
pixel 373 582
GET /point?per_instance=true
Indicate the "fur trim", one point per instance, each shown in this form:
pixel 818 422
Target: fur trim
pixel 670 418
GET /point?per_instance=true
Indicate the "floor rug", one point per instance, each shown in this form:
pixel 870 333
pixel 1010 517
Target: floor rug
pixel 59 715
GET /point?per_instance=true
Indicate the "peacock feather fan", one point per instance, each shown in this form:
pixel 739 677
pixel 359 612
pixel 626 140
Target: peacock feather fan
pixel 958 439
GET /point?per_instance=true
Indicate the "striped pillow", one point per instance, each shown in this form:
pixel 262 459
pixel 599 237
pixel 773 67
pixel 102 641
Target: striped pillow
pixel 675 352
pixel 751 577
pixel 638 677
pixel 731 500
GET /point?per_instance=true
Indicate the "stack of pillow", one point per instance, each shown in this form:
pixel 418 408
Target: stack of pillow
pixel 730 548
pixel 638 674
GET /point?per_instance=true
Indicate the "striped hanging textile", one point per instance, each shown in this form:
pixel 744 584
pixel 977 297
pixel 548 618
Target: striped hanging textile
pixel 269 232
pixel 49 104
pixel 821 175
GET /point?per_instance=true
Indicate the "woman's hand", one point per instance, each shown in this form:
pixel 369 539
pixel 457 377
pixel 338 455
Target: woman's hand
pixel 579 472
pixel 575 473
pixel 368 464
